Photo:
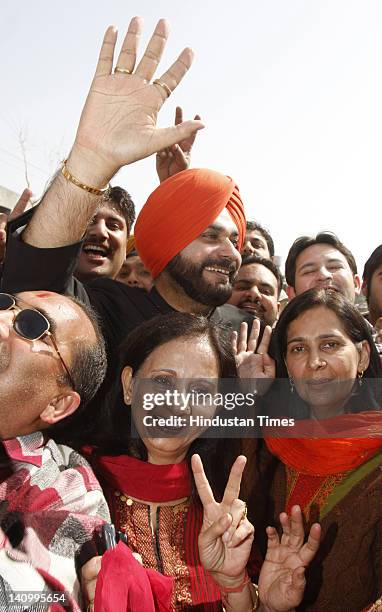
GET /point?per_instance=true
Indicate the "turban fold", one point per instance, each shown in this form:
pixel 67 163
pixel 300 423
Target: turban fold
pixel 179 210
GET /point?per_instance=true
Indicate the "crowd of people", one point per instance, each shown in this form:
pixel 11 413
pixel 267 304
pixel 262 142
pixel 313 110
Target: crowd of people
pixel 97 512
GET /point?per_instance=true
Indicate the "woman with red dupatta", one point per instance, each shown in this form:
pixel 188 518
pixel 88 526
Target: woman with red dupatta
pixel 165 504
pixel 330 462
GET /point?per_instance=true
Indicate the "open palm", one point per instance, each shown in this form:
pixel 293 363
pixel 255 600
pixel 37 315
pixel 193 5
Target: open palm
pixel 282 579
pixel 118 122
pixel 252 358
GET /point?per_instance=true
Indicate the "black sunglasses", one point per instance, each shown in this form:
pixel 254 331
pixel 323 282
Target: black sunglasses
pixel 31 324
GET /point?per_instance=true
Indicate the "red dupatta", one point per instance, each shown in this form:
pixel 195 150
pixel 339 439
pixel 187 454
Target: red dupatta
pixel 358 437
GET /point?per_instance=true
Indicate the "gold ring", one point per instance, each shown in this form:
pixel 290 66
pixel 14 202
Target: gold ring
pixel 164 85
pixel 245 512
pixel 122 70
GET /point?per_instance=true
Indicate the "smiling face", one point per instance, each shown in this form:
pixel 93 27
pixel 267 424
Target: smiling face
pixel 184 364
pixel 206 267
pixel 104 249
pixel 255 290
pixel 31 395
pixel 322 265
pixel 323 361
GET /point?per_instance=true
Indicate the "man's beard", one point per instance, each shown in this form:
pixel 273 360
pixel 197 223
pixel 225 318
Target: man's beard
pixel 189 277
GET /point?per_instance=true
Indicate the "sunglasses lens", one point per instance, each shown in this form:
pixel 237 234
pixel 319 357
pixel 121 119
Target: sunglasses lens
pixel 6 301
pixel 30 324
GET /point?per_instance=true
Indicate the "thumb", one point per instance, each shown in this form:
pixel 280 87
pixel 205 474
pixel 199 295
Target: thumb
pixel 165 137
pixel 91 569
pixel 269 365
pixel 298 579
pixel 215 531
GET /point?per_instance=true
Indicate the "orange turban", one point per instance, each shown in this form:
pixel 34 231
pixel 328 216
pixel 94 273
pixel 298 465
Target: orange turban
pixel 179 210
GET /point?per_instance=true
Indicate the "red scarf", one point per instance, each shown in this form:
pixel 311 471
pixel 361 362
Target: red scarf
pixel 123 585
pixel 146 481
pixel 164 483
pixel 358 438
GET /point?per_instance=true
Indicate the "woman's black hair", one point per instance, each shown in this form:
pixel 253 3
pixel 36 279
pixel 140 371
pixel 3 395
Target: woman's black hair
pixel 281 399
pixel 115 419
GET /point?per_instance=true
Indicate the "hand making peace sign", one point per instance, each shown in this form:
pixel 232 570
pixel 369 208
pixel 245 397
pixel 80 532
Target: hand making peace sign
pixel 226 536
pixel 174 159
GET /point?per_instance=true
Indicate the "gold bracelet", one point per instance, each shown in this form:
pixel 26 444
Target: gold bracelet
pixel 69 177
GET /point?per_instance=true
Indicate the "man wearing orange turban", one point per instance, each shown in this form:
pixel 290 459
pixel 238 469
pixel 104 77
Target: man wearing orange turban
pixel 189 234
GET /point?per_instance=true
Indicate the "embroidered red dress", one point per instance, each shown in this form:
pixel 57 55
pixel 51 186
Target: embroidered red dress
pixel 172 547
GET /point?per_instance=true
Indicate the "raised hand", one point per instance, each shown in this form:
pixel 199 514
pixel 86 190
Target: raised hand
pixel 174 159
pixel 253 359
pixel 226 536
pixel 118 122
pixel 282 579
pixel 18 209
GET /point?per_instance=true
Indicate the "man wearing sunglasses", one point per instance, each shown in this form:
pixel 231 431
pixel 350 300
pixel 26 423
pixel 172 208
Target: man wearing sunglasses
pixel 51 355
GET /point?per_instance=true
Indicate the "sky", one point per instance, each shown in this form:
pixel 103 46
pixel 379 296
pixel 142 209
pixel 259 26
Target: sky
pixel 290 92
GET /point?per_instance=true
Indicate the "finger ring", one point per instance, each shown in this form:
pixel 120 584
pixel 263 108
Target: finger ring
pixel 164 85
pixel 122 70
pixel 245 512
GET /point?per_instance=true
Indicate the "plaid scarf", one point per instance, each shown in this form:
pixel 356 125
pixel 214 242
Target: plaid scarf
pixel 50 507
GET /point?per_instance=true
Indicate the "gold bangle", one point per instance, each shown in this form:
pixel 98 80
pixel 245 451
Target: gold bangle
pixel 69 177
pixel 256 600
